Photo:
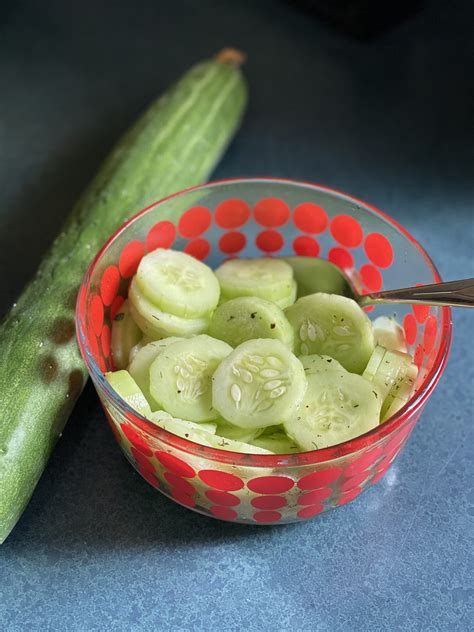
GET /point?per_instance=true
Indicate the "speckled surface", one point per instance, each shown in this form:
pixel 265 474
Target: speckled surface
pixel 97 548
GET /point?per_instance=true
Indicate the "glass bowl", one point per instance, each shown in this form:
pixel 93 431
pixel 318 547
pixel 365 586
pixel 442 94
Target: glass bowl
pixel 248 218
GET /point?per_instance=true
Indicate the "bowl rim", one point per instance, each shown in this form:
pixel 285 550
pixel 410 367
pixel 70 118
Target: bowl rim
pixel 323 455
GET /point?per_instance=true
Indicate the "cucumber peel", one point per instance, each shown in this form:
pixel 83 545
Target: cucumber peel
pixel 174 145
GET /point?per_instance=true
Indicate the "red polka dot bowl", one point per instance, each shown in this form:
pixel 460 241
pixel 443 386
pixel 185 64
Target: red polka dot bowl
pixel 248 218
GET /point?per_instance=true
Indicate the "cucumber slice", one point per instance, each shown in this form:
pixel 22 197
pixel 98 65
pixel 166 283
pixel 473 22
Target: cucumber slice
pixel 222 443
pixel 394 377
pixel 125 335
pixel 259 384
pixel 374 362
pixel 183 428
pixel 278 443
pixel 181 376
pixel 332 325
pixel 288 300
pixel 178 283
pixel 338 406
pixel 124 384
pixel 389 334
pixel 157 324
pixel 139 367
pixel 229 431
pixel 249 317
pixel 162 415
pixel 136 348
pixel 263 277
pixel 400 393
pixel 316 363
pixel 317 275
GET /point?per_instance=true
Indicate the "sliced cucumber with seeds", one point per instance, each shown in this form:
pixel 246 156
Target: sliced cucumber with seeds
pixel 125 335
pixel 389 334
pixel 338 406
pixel 125 386
pixel 317 275
pixel 259 384
pixel 181 375
pixel 139 367
pixel 249 317
pixel 316 363
pixel 158 324
pixel 278 443
pixel 332 325
pixel 264 277
pixel 178 283
pixel 136 348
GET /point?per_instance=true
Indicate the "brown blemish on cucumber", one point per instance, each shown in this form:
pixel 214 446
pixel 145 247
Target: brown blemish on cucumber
pixel 62 330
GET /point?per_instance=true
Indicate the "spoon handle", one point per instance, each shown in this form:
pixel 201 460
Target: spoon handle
pixel 456 293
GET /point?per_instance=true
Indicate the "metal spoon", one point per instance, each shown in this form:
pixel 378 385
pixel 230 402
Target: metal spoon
pixel 317 275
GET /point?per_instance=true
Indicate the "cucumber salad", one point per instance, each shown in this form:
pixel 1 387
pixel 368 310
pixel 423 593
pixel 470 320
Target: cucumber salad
pixel 232 359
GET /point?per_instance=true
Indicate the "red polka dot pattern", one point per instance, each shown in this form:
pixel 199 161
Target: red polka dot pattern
pixel 270 484
pixel 418 356
pixel 142 460
pixel 310 511
pixel 97 314
pixel 271 212
pixel 319 479
pixel 267 516
pixel 346 231
pixel 310 218
pixel 378 475
pixel 182 498
pixel 232 213
pixel 136 439
pixel 341 258
pixel 221 480
pixel 346 498
pixel 179 483
pixel 199 248
pixel 421 312
pixel 130 258
pixel 149 476
pixel 194 221
pixel 371 277
pixel 363 463
pixel 306 246
pixel 116 305
pixel 314 497
pixel 410 327
pixel 109 284
pixel 429 335
pixel 105 340
pixel 354 481
pixel 268 502
pixel 379 250
pixel 175 465
pixel 269 241
pixel 162 235
pixel 222 498
pixel 225 513
pixel 233 242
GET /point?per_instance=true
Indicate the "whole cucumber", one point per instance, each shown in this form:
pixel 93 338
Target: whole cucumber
pixel 175 144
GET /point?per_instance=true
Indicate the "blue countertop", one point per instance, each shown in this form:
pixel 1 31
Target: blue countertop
pixel 385 120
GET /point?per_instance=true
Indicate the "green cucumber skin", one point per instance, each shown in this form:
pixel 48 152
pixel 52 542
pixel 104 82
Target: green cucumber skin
pixel 174 145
